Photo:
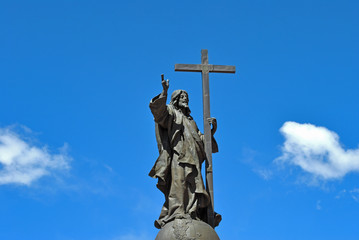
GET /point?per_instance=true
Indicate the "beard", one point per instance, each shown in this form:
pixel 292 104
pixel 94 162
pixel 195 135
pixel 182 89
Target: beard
pixel 182 105
pixel 184 108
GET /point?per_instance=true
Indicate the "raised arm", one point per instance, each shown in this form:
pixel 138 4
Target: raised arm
pixel 165 86
pixel 158 105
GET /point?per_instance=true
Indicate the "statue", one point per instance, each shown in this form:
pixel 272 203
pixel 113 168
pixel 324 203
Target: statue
pixel 188 212
pixel 182 152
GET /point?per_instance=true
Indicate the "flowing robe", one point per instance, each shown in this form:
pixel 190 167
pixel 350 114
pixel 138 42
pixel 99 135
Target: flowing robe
pixel 178 168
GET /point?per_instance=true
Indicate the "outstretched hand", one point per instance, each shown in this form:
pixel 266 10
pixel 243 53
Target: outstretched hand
pixel 165 85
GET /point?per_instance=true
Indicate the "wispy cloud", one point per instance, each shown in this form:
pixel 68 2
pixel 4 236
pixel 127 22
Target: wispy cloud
pixel 250 157
pixel 318 206
pixel 266 174
pixel 22 163
pixel 341 194
pixel 355 194
pixel 317 151
pixel 352 194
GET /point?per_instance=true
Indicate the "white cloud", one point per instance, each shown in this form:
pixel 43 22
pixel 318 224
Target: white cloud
pixel 23 163
pixel 317 151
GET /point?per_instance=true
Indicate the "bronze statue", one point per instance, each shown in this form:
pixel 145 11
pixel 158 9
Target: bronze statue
pixel 182 152
pixel 188 211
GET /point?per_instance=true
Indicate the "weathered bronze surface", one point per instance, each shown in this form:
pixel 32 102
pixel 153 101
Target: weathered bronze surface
pixel 183 148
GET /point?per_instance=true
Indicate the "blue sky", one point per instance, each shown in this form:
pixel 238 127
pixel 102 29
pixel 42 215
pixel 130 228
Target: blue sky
pixel 77 137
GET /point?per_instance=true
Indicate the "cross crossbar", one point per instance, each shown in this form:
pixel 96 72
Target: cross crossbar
pixel 202 67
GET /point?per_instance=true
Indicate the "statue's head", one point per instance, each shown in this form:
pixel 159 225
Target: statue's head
pixel 179 100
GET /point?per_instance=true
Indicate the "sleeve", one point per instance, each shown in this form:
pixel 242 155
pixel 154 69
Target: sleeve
pixel 160 110
pixel 214 145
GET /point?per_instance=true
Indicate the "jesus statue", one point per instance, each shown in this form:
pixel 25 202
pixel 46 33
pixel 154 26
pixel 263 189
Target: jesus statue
pixel 181 154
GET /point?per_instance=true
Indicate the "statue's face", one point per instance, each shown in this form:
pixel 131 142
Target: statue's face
pixel 183 100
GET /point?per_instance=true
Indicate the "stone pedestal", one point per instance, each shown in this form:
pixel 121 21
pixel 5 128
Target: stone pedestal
pixel 187 229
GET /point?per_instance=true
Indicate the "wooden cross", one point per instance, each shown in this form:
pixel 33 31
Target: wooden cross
pixel 205 69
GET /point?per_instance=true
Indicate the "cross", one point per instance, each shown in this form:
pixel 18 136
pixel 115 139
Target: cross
pixel 205 69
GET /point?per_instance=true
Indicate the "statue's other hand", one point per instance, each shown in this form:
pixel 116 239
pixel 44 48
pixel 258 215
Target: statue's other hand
pixel 213 122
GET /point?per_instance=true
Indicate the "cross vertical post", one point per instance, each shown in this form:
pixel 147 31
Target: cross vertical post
pixel 207 136
pixel 205 69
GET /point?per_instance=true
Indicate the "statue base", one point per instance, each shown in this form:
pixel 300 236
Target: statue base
pixel 187 229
